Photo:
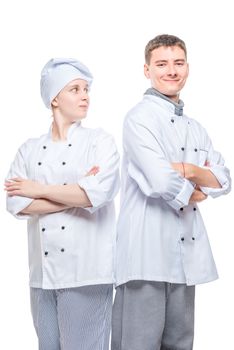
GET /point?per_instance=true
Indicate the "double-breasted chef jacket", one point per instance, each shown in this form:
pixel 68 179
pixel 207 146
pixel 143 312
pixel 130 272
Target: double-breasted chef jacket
pixel 74 247
pixel 160 236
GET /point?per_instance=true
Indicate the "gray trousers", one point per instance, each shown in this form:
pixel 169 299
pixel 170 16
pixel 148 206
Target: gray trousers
pixel 153 316
pixel 73 318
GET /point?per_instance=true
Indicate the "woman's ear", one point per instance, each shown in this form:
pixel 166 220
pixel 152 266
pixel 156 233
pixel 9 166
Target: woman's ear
pixel 54 102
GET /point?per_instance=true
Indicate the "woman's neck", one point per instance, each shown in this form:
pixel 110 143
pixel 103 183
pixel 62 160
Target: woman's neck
pixel 60 128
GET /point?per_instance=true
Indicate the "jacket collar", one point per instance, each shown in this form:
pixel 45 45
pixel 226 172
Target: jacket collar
pixel 178 106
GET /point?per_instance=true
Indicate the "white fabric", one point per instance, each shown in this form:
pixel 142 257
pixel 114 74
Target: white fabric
pixel 155 239
pixel 74 247
pixel 57 73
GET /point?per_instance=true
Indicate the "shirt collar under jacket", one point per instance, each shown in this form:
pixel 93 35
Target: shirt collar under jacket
pixel 70 132
pixel 178 106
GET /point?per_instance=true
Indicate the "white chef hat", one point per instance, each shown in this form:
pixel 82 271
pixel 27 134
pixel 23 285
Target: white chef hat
pixel 57 73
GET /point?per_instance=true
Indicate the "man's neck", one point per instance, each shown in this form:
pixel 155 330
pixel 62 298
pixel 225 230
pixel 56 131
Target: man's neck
pixel 178 105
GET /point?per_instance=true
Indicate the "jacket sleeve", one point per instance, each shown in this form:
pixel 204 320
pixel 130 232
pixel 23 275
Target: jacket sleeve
pixel 148 165
pixel 220 171
pixel 103 187
pixel 16 204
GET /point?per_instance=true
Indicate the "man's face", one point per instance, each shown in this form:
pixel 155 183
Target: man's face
pixel 167 70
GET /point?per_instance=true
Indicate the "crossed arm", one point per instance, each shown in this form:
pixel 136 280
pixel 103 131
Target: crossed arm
pixel 49 198
pixel 55 198
pixel 199 176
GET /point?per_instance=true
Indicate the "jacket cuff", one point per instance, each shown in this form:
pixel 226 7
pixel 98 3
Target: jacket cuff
pixel 16 204
pixel 90 185
pixel 182 199
pixel 222 179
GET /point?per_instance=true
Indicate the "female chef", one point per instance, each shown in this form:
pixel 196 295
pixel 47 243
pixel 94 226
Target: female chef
pixel 64 183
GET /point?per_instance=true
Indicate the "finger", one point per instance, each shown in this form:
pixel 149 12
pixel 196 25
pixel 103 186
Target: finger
pixel 94 168
pixel 9 182
pixel 93 171
pixel 12 187
pixel 14 193
pixel 17 179
pixel 10 195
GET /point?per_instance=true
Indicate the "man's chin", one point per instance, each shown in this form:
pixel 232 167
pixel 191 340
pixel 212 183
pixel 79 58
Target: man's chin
pixel 173 95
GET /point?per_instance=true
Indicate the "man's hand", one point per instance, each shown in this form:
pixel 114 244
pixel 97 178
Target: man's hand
pixel 199 175
pixel 197 196
pixel 24 188
pixel 179 168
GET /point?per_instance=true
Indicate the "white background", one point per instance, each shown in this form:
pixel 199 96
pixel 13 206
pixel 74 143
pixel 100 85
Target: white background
pixel 109 37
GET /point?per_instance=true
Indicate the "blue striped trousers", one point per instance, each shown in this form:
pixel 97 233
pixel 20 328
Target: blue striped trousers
pixel 72 318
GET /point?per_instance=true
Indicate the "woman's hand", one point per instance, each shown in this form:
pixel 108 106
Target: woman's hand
pixel 93 171
pixel 33 189
pixel 24 188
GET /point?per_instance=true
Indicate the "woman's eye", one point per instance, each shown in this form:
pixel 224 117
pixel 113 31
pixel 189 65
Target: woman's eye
pixel 75 89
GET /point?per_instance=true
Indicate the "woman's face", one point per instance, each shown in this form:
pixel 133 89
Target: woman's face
pixel 73 100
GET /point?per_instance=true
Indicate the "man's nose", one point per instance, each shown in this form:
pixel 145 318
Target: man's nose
pixel 171 70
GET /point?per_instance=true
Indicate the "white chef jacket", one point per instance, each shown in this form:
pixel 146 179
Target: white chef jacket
pixel 74 247
pixel 160 236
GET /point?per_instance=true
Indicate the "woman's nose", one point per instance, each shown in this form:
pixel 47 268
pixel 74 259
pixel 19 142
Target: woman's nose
pixel 85 95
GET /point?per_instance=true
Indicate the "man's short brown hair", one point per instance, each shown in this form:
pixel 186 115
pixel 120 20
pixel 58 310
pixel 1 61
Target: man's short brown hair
pixel 163 40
